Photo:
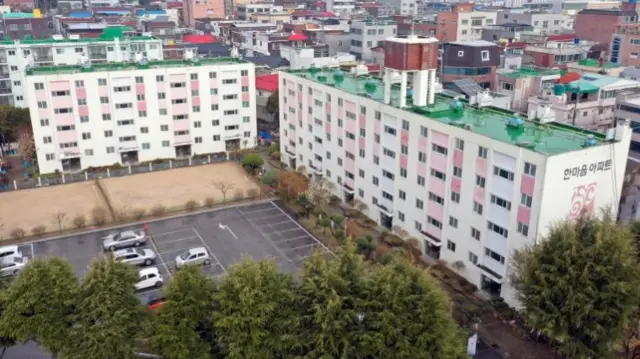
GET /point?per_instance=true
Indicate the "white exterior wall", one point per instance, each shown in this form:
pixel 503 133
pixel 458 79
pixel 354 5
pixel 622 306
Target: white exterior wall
pixel 467 31
pixel 205 130
pixel 552 196
pixel 380 32
pixel 69 53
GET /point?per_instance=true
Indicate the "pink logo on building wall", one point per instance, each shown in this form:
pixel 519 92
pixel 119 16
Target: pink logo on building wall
pixel 583 200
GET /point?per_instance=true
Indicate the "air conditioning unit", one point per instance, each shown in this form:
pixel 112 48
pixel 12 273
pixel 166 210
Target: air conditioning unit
pixel 74 37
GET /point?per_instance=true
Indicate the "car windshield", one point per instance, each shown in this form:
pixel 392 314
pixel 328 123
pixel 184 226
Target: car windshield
pixel 140 252
pixel 17 260
pixel 185 255
pixel 117 237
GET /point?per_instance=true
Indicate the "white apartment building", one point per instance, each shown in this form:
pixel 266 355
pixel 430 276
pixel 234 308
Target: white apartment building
pixel 545 23
pixel 401 7
pixel 113 46
pixel 470 24
pixel 341 8
pixel 101 114
pixel 368 34
pixel 473 184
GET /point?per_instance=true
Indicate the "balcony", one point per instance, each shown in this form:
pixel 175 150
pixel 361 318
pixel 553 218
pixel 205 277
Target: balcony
pixel 232 134
pixel 433 240
pixel 289 152
pixel 492 269
pixel 317 168
pixel 70 153
pixel 386 210
pixel 348 188
pixel 126 146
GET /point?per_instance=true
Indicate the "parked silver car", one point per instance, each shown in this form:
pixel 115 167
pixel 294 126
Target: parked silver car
pixel 7 253
pixel 13 266
pixel 124 239
pixel 193 256
pixel 135 256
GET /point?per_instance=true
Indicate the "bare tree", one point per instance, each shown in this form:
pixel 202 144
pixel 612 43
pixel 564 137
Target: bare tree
pixel 26 144
pixel 59 218
pixel 224 188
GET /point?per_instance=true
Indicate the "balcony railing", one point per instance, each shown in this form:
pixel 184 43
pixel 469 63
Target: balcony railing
pixel 71 153
pixel 435 241
pixel 348 188
pixel 317 169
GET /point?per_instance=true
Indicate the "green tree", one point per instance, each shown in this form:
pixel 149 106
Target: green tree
pixel 255 311
pixel 181 327
pixel 365 246
pixel 252 161
pixel 12 119
pixel 270 178
pixel 274 147
pixel 410 315
pixel 273 105
pixel 39 304
pixel 580 285
pixel 108 313
pixel 333 302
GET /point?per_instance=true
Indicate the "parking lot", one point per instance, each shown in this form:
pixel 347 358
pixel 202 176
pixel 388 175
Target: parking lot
pixel 259 230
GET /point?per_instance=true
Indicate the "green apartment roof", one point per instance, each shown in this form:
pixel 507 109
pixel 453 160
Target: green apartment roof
pixel 108 34
pixel 548 139
pixel 596 63
pixel 530 72
pixel 123 66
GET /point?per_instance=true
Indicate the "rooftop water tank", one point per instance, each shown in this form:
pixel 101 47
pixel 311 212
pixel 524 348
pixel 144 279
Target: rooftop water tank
pixel 338 76
pixel 515 122
pixel 456 105
pixel 370 86
pixel 322 78
pixel 559 90
pixel 576 40
pixel 590 141
pixel 313 69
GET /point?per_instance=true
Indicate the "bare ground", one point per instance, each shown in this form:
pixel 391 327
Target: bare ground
pixel 173 188
pixel 26 209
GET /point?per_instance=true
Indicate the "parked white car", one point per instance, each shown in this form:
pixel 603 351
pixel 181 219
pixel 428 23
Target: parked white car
pixel 7 253
pixel 12 266
pixel 149 278
pixel 193 256
pixel 124 239
pixel 134 256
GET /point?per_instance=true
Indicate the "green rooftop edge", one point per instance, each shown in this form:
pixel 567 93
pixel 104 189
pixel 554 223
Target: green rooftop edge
pixel 547 139
pixel 109 34
pixel 529 72
pixel 123 66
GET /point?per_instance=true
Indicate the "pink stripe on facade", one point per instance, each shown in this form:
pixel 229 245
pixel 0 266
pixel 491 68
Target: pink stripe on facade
pixel 404 161
pixel 327 127
pixel 327 108
pixel 83 110
pixel 439 162
pixel 341 112
pixel 433 230
pixel 456 184
pixel 524 214
pixel 422 142
pixel 438 187
pixel 440 138
pixel 376 127
pixel 105 108
pixel 435 210
pixel 362 121
pixel 66 136
pixel 214 100
pixel 349 182
pixel 404 137
pixel 350 145
pixel 41 96
pixel 362 143
pixel 245 97
pixel 213 83
pixel 181 125
pixel 376 149
pixel 481 166
pixel 195 84
pixel 422 169
pixel 351 126
pixel 139 89
pixel 142 105
pixel 350 106
pixel 310 99
pixel 62 102
pixel 60 86
pixel 457 158
pixel 350 165
pixel 182 139
pixel 478 194
pixel 195 101
pixel 64 119
pixel 178 93
pixel 103 91
pixel 181 109
pixel 299 97
pixel 80 93
pixel 244 81
pixel 527 184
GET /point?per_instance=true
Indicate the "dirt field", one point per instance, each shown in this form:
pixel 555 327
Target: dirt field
pixel 35 207
pixel 173 188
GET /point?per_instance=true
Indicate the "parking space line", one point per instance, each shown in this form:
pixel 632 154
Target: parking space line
pixel 33 252
pixel 209 249
pixel 289 250
pixel 259 211
pixel 301 227
pixel 274 224
pixel 291 239
pixel 180 239
pixel 265 236
pixel 286 230
pixel 171 251
pixel 169 233
pixel 153 243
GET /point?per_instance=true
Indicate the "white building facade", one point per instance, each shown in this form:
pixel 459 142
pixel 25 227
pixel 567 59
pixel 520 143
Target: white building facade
pixel 470 187
pixel 368 34
pixel 16 56
pixel 115 113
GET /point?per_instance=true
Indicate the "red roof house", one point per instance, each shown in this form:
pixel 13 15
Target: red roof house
pixel 267 83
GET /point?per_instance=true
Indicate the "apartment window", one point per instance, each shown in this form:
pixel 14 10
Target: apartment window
pixel 451 246
pixel 375 180
pixel 213 91
pixel 142 113
pixel 195 108
pixel 166 143
pixel 459 144
pixel 46 140
pixel 361 173
pixel 482 152
pixel 213 75
pixel 244 72
pixel 400 216
pixel 453 222
pixel 193 76
pixel 439 149
pixel 88 152
pixel 104 99
pixel 455 197
pixel 108 133
pixel 216 138
pixel 434 222
pixel 501 202
pixel 404 149
pixel 42 104
pixel 475 234
pixel 215 123
pixel 84 119
pixel 484 55
pixel 124 105
pixel 419 203
pixel 140 97
pixel 197 140
pixel 106 117
pixel 421 181
pixel 162 112
pixel 523 229
pixel 139 79
pixel 164 128
pixel 424 131
pixel 457 172
pixel 402 194
pixel 388 152
pixel 102 82
pixel 530 169
pixel 439 175
pixel 68 145
pixel 480 181
pixel 146 146
pixel 418 226
pixel 111 149
pixel 387 196
pixel 159 78
pixel 82 102
pixel 503 173
pixel 477 207
pixel 44 122
pixel 526 200
pixel 229 81
pixel 66 128
pixel 80 83
pixel 246 134
pixel 162 95
pixel 60 93
pixel 390 130
pixel 86 135
pixel 50 156
pixel 405 125
pixel 403 172
pixel 473 258
pixel 144 129
pixel 14 68
pixel 497 229
pixel 39 86
pixel 435 198
pixel 422 157
pixel 495 256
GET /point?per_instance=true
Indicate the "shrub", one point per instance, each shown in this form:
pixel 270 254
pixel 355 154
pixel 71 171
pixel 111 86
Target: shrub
pixel 116 166
pixel 276 156
pixel 238 195
pixel 274 147
pixel 38 230
pixel 270 178
pixel 138 213
pixel 191 205
pixel 333 200
pixel 470 288
pixel 209 202
pixel 99 216
pixel 79 221
pixel 17 233
pixel 252 162
pixel 158 210
pixel 253 193
pixel 393 241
